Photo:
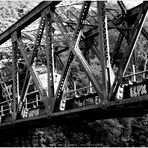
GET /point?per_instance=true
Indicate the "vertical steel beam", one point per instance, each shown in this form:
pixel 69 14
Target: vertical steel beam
pixel 122 6
pixel 15 74
pixel 101 47
pixel 50 59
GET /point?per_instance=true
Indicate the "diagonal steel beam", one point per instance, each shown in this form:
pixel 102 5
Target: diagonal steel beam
pixel 27 19
pixel 74 50
pixel 37 82
pixel 34 54
pixel 96 51
pixel 145 33
pixel 135 34
pixel 117 47
pixel 132 42
pixel 62 65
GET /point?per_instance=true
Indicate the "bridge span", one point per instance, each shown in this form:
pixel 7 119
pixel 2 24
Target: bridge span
pixel 66 67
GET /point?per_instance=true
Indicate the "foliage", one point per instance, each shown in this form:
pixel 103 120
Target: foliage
pixel 52 136
pixel 11 11
pixel 97 133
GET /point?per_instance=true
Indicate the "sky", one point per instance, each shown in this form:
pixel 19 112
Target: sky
pixel 132 3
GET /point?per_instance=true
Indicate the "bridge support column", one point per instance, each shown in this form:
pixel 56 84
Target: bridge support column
pixel 50 60
pixel 15 74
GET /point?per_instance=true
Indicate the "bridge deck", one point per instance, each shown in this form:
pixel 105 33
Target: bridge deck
pixel 132 107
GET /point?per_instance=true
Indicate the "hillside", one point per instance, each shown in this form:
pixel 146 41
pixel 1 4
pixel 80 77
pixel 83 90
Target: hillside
pixel 11 11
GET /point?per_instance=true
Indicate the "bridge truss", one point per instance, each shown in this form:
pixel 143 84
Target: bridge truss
pixel 52 76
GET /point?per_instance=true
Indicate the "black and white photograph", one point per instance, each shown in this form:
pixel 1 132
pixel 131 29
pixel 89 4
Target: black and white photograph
pixel 73 73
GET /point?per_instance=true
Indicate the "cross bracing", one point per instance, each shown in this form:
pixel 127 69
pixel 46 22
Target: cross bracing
pixel 63 63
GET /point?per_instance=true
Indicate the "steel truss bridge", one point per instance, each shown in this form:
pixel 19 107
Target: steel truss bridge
pixel 53 79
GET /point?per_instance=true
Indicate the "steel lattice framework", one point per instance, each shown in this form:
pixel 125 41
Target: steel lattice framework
pixel 71 37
